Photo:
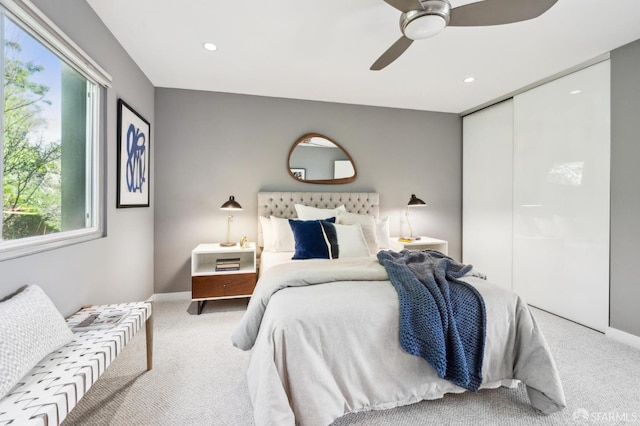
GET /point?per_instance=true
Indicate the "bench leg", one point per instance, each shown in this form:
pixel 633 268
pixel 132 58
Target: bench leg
pixel 149 333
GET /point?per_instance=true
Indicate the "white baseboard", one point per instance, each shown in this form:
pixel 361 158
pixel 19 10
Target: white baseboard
pixel 169 297
pixel 623 337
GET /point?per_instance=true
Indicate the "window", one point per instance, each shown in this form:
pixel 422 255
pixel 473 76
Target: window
pixel 50 126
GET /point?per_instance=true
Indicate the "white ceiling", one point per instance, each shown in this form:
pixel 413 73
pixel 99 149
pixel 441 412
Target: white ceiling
pixel 322 50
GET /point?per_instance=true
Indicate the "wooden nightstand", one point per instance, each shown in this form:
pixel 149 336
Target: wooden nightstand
pixel 425 243
pixel 207 283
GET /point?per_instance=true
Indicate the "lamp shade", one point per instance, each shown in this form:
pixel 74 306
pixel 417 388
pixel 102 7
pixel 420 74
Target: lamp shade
pixel 231 204
pixel 415 201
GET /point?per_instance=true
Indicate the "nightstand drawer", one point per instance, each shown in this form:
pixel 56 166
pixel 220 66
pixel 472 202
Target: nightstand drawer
pixel 222 285
pixel 207 286
pixel 239 284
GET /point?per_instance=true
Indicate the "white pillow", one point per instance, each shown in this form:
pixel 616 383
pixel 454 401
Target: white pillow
pixel 351 242
pixel 368 224
pixel 383 233
pixel 314 213
pixel 30 329
pixel 267 233
pixel 282 235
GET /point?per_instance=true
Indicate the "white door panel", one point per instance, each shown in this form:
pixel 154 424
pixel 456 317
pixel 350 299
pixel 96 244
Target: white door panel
pixel 487 182
pixel 561 196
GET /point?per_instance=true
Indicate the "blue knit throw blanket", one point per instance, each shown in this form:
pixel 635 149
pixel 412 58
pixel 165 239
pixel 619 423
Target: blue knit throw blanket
pixel 442 319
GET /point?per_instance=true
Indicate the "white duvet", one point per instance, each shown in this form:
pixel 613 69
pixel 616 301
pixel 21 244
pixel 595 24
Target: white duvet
pixel 325 343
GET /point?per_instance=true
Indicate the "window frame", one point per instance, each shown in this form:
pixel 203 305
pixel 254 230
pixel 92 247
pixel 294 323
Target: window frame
pixel 33 21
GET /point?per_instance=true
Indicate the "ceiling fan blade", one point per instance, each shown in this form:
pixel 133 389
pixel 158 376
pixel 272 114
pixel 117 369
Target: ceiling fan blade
pixel 405 5
pixel 392 53
pixel 498 12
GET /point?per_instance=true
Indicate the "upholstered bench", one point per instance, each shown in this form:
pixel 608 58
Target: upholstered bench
pixel 47 393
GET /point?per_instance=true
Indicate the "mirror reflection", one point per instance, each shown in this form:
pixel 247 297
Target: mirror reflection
pixel 314 158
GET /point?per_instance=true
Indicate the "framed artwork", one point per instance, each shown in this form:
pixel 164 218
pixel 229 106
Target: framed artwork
pixel 299 173
pixel 134 145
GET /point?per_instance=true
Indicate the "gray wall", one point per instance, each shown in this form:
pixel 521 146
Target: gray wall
pixel 119 267
pixel 625 189
pixel 212 145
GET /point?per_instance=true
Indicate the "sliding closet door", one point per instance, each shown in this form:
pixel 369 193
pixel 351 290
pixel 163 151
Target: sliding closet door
pixel 487 201
pixel 561 196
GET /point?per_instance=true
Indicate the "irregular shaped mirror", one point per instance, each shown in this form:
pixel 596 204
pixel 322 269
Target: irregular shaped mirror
pixel 314 158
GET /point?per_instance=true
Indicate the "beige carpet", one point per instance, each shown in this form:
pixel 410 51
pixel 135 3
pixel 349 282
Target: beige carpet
pixel 199 379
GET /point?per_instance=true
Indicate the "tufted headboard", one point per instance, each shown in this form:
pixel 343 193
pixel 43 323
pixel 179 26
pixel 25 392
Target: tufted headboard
pixel 282 204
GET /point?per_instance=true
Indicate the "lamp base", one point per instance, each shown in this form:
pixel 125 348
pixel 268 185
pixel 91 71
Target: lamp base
pixel 408 239
pixel 228 244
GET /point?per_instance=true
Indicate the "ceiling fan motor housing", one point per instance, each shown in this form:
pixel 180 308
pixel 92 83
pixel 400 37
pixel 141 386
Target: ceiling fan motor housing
pixel 420 24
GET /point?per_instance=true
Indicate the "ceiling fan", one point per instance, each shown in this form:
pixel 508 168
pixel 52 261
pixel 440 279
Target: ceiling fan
pixel 425 18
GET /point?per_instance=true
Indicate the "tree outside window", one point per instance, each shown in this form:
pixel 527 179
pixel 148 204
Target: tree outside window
pixel 47 140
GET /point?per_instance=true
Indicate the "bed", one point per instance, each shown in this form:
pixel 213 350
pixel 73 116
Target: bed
pixel 324 333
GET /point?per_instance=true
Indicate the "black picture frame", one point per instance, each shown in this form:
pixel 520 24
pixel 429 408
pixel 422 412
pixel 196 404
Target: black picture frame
pixel 134 154
pixel 299 173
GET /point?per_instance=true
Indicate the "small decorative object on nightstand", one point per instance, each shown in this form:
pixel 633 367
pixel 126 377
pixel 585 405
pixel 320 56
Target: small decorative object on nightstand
pixel 426 243
pixel 221 272
pixel 230 205
pixel 413 202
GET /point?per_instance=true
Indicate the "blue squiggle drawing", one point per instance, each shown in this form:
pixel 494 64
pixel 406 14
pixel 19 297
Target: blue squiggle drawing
pixel 136 152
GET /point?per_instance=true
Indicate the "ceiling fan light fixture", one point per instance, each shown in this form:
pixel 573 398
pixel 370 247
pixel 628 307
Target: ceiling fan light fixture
pixel 424 27
pixel 425 23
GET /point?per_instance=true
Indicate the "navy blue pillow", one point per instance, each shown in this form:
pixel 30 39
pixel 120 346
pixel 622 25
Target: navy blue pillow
pixel 309 239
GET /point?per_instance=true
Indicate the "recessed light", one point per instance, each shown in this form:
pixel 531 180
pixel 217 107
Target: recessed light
pixel 210 46
pixel 469 79
pixel 575 92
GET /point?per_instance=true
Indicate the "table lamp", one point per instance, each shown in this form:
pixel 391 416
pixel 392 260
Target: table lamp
pixel 229 206
pixel 413 202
